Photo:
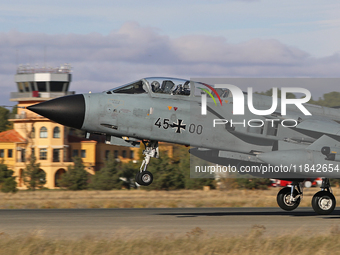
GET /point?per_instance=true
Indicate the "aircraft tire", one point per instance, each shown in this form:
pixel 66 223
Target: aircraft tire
pixel 137 178
pixel 323 202
pixel 145 178
pixel 283 199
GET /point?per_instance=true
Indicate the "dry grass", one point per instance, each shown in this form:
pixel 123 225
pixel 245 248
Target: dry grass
pixel 196 241
pixel 145 199
pixel 193 242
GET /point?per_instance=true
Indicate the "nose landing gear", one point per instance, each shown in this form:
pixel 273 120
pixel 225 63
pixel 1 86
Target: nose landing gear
pixel 144 177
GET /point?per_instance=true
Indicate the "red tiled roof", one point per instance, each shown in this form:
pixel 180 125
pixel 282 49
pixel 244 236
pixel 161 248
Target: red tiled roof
pixel 11 136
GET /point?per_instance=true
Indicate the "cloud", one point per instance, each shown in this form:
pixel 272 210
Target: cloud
pixel 131 52
pixel 254 52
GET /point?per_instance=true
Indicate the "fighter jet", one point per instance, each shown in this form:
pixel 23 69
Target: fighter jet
pixel 290 142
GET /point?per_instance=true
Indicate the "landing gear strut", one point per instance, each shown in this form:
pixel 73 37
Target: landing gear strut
pixel 144 177
pixel 323 202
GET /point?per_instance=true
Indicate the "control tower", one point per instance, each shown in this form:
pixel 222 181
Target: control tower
pixel 36 84
pixel 42 138
pixel 39 84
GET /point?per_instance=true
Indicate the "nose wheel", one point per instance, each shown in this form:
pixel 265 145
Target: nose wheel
pixel 144 177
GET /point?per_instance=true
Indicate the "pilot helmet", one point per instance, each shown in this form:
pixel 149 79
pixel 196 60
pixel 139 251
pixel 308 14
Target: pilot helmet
pixel 155 85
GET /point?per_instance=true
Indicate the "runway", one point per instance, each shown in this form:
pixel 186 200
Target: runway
pixel 73 223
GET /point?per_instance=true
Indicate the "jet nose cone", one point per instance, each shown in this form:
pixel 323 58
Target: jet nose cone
pixel 67 110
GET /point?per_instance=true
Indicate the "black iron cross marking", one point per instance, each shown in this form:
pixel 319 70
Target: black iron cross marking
pixel 179 126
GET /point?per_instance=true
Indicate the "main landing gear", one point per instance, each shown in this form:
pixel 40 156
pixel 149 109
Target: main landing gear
pixel 144 177
pixel 323 202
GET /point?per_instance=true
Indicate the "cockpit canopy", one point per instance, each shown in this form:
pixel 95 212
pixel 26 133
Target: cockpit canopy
pixel 170 86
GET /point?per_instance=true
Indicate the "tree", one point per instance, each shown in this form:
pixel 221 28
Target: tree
pixel 166 174
pixel 108 177
pixel 7 180
pixel 34 177
pixel 330 99
pixel 269 92
pixel 76 177
pixel 255 183
pixel 4 116
pixel 127 173
pixel 184 167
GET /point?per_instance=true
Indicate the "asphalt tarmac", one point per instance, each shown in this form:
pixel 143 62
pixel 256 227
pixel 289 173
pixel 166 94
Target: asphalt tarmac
pixel 74 223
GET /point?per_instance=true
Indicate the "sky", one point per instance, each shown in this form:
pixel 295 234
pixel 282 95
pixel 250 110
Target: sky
pixel 110 43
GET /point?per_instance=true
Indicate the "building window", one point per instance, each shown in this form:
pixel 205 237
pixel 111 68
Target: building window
pixel 83 153
pixel 56 155
pixel 43 154
pixel 115 154
pixel 20 86
pixel 2 153
pixel 75 153
pixel 132 154
pixel 56 132
pixel 56 86
pixel 107 152
pixel 10 153
pixel 27 86
pixel 32 152
pixel 43 132
pixel 42 86
pixel 124 154
pixel 33 132
pixel 23 155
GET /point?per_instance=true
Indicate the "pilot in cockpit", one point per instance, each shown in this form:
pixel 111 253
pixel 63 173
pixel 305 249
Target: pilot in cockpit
pixel 186 88
pixel 178 90
pixel 155 86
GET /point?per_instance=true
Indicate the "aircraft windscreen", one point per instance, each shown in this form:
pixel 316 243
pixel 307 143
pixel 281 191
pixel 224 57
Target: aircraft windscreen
pixel 132 88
